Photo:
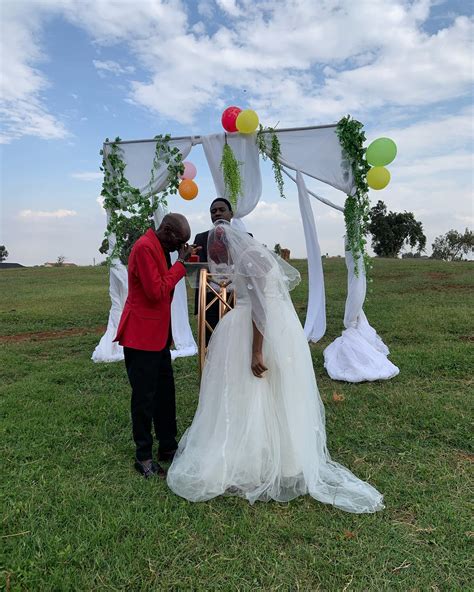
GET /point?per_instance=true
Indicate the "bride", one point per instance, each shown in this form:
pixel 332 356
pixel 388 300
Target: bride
pixel 259 429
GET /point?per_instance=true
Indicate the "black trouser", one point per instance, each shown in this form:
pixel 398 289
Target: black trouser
pixel 153 399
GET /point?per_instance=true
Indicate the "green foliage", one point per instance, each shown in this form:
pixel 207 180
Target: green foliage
pixel 453 245
pixel 357 206
pixel 274 154
pixel 277 249
pixel 131 213
pixel 60 261
pixel 172 157
pixel 3 253
pixel 231 171
pixel 77 517
pixel 391 230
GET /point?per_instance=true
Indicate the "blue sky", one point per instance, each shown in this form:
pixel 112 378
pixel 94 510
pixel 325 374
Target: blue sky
pixel 77 71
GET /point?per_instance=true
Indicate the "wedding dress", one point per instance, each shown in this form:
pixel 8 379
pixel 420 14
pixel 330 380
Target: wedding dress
pixel 261 438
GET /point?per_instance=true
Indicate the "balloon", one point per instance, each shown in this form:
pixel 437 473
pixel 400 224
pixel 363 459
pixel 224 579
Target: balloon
pixel 378 177
pixel 381 152
pixel 188 189
pixel 229 117
pixel 189 170
pixel 247 121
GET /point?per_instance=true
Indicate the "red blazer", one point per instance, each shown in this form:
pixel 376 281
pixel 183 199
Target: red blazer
pixel 146 316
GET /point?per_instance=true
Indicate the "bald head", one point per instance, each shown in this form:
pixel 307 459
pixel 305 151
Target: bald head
pixel 173 232
pixel 177 222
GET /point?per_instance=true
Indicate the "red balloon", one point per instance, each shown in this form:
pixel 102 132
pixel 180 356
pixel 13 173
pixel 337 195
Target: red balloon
pixel 229 117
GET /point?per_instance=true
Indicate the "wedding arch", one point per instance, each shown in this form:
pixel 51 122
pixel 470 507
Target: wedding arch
pixel 141 170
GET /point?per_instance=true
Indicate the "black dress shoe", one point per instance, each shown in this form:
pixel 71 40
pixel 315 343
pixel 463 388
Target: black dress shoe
pixel 166 455
pixel 149 468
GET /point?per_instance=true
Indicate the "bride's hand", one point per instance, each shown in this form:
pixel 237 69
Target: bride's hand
pixel 258 367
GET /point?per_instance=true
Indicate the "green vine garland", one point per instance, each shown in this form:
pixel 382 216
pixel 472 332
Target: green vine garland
pixel 131 213
pixel 274 155
pixel 231 171
pixel 357 206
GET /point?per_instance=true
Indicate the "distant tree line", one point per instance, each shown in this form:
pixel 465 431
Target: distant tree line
pixel 391 231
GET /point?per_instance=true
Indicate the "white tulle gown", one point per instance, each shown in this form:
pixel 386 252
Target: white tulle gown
pixel 263 438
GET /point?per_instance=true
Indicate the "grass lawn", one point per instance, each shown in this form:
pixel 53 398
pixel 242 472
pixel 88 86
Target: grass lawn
pixel 77 516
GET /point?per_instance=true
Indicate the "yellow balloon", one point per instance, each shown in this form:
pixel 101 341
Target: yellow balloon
pixel 378 177
pixel 247 121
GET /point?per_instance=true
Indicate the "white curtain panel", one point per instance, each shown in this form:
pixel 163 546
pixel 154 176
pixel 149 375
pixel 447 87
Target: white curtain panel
pixel 107 350
pixel 246 152
pixel 359 354
pixel 315 323
pixel 184 343
pixel 138 157
pixel 317 153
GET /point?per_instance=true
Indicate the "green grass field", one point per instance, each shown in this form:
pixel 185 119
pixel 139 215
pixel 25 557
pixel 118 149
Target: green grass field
pixel 77 516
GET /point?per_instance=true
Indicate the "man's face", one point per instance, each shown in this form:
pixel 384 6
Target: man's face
pixel 220 211
pixel 176 238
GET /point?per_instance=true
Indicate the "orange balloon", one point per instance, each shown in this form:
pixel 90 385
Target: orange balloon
pixel 188 189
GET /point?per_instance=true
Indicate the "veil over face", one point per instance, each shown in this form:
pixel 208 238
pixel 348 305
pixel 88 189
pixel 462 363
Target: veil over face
pixel 250 266
pixel 244 256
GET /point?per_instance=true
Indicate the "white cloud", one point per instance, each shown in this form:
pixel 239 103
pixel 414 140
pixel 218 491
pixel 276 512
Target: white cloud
pixel 31 214
pixel 280 54
pixel 87 176
pixel 431 135
pixel 301 61
pixel 111 67
pixel 229 6
pixel 270 211
pixel 100 201
pixel 22 109
pixel 205 8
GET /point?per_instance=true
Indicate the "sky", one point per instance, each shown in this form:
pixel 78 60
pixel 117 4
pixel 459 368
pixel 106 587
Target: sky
pixel 74 72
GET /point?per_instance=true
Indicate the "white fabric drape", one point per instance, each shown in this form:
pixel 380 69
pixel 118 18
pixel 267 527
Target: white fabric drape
pixel 138 157
pixel 183 338
pixel 317 153
pixel 315 323
pixel 107 350
pixel 359 354
pixel 245 150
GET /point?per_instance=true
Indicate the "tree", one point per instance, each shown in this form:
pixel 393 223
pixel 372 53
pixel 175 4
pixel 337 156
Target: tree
pixel 453 245
pixel 3 253
pixel 277 249
pixel 391 230
pixel 60 261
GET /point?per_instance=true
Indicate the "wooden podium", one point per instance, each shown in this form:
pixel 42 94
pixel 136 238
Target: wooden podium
pixel 207 284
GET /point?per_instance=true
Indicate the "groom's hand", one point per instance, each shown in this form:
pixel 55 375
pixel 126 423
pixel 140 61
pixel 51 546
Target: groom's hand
pixel 258 367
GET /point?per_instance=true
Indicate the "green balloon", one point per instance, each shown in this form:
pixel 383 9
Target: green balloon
pixel 381 152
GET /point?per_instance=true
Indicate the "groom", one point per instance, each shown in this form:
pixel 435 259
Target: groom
pixel 145 334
